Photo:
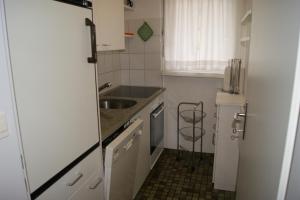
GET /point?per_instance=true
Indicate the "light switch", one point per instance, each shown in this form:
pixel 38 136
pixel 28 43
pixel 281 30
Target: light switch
pixel 3 126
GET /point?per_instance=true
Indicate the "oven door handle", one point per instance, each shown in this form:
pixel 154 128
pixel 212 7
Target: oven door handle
pixel 155 115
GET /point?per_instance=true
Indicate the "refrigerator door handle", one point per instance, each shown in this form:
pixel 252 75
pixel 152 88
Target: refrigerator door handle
pixel 90 23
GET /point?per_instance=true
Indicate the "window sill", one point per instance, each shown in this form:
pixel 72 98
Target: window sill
pixel 194 74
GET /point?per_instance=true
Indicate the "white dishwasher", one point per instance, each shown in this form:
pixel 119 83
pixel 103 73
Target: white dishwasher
pixel 121 161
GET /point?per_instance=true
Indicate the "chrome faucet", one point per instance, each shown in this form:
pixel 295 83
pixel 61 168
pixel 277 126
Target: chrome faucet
pixel 105 85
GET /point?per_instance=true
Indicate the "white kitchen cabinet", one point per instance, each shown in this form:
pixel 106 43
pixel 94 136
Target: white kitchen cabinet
pixel 143 163
pixel 74 182
pixel 144 156
pixel 109 20
pixel 92 189
pixel 226 148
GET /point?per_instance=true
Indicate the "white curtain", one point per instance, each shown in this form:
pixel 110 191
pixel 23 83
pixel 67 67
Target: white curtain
pixel 200 35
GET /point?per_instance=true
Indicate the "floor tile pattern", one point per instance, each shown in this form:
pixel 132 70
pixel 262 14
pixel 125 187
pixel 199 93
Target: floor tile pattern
pixel 171 179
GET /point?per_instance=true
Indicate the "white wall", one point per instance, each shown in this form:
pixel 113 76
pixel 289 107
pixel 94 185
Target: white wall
pixel 12 185
pixel 293 192
pixel 193 90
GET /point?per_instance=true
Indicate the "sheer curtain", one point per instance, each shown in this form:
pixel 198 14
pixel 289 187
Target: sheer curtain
pixel 200 35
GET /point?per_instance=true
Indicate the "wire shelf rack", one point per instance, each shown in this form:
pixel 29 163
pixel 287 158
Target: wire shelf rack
pixel 193 115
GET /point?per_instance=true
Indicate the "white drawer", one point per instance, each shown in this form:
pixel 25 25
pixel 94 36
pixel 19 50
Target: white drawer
pixel 74 179
pixel 92 189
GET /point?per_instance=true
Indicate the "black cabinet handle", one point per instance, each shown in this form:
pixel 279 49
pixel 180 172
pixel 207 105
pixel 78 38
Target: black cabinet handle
pixel 90 23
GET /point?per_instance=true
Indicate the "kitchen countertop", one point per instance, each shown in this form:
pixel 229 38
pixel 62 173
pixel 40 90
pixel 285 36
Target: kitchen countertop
pixel 227 99
pixel 113 119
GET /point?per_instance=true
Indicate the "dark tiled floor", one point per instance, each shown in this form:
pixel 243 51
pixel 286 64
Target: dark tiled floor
pixel 172 179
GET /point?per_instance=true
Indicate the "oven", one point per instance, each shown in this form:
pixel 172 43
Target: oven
pixel 156 132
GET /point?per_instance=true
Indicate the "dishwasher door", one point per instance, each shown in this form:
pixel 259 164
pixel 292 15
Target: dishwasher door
pixel 120 163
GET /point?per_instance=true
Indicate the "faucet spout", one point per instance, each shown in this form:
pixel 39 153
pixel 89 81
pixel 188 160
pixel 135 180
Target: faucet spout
pixel 104 86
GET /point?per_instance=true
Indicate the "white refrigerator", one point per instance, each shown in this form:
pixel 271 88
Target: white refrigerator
pixel 53 55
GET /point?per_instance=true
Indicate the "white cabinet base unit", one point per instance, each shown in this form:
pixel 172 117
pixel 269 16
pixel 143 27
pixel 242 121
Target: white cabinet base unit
pixel 145 159
pixel 84 180
pixel 226 148
pixel 109 20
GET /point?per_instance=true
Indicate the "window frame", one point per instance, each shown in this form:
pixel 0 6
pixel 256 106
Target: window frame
pixel 196 74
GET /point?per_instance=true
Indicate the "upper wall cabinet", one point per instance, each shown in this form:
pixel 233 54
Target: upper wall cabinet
pixel 109 20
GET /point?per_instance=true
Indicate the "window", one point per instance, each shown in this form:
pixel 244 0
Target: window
pixel 200 35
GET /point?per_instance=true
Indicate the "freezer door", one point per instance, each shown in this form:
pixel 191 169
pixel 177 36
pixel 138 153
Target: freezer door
pixel 54 84
pixel 120 163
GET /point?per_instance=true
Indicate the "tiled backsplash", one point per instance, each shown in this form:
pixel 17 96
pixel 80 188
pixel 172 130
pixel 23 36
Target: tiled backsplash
pixel 141 61
pixel 139 64
pixel 109 68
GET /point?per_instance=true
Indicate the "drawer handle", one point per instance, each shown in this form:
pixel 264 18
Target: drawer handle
pixel 106 45
pixel 140 132
pixel 95 185
pixel 128 145
pixel 79 176
pixel 215 115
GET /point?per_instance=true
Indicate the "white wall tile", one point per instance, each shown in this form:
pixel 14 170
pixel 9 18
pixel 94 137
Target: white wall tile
pixel 116 61
pixel 153 78
pixel 126 50
pixel 117 78
pixel 136 45
pixel 134 24
pixel 100 62
pixel 105 62
pixel 155 24
pixel 153 45
pixel 125 77
pixel 137 77
pixel 104 78
pixel 127 26
pixel 124 61
pixel 108 65
pixel 137 61
pixel 114 77
pixel 153 61
pixel 100 58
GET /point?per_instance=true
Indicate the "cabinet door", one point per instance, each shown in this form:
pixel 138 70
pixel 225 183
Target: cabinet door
pixel 109 20
pixel 143 163
pixel 144 156
pixel 93 189
pixel 87 174
pixel 227 151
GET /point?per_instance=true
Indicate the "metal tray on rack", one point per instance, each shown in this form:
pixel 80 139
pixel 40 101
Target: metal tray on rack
pixel 187 133
pixel 187 115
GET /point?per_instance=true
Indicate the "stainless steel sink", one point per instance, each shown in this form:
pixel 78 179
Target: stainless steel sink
pixel 116 103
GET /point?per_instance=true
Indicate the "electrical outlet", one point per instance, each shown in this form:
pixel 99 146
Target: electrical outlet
pixel 3 126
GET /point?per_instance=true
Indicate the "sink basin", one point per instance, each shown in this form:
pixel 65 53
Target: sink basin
pixel 116 103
